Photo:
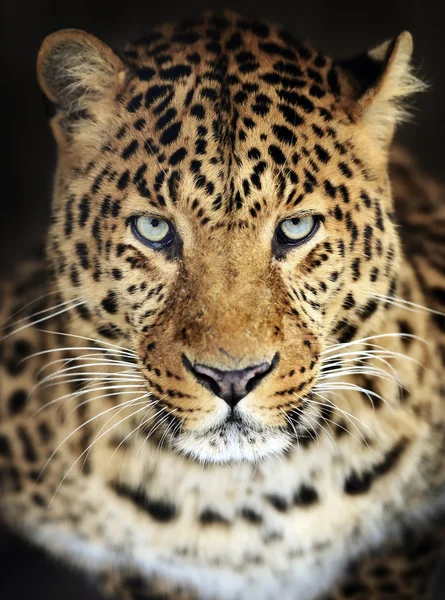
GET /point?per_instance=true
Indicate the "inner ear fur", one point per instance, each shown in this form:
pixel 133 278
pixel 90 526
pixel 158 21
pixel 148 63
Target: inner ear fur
pixel 82 77
pixel 380 81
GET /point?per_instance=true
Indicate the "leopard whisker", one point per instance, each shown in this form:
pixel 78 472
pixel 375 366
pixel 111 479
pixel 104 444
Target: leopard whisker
pixel 327 420
pixel 69 377
pixel 75 370
pixel 348 386
pixel 54 452
pixel 88 339
pixel 125 383
pixel 164 435
pixel 86 357
pixel 175 432
pixel 141 424
pixel 373 355
pixel 360 370
pixel 345 430
pixel 123 406
pixel 64 368
pixel 313 417
pixel 157 425
pixel 377 354
pixel 357 364
pixel 349 416
pixel 92 377
pixel 340 346
pixel 32 323
pixel 85 402
pixel 25 306
pixel 290 422
pixel 338 366
pixel 407 305
pixel 309 432
pixel 75 348
pixel 91 390
pixel 29 318
pixel 89 447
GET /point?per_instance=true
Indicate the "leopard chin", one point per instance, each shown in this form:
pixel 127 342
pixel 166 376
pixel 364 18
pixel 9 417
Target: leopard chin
pixel 234 440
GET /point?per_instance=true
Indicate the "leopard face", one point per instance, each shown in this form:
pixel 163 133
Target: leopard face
pixel 222 209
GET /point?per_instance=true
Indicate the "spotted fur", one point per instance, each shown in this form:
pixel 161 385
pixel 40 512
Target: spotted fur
pixel 113 455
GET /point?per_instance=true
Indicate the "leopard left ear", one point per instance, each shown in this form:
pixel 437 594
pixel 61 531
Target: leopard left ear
pixel 380 81
pixel 82 77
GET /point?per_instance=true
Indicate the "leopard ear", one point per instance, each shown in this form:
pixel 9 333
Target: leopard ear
pixel 82 77
pixel 379 82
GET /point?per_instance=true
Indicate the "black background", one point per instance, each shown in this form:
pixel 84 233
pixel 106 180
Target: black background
pixel 27 156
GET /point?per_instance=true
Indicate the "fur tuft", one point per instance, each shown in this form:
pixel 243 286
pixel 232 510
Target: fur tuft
pixel 388 105
pixel 384 106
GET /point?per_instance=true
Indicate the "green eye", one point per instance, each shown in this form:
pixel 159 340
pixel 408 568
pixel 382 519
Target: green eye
pixel 152 231
pixel 297 230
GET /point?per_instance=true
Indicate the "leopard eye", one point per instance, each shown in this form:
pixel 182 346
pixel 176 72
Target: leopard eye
pixel 297 230
pixel 152 231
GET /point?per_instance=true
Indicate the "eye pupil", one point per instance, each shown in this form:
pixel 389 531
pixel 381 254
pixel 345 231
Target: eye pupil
pixel 154 223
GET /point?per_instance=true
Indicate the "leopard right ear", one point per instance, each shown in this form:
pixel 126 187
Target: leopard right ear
pixel 82 77
pixel 382 80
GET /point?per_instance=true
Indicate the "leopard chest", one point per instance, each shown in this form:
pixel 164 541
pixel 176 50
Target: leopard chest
pixel 225 529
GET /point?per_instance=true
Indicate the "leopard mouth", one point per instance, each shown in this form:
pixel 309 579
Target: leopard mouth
pixel 247 431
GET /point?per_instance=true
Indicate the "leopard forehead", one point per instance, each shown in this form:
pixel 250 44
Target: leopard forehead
pixel 222 103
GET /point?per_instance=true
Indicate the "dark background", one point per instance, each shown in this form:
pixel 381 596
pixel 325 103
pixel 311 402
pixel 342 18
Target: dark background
pixel 341 29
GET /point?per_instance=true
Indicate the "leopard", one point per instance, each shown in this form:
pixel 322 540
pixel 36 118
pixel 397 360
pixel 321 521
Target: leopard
pixel 222 378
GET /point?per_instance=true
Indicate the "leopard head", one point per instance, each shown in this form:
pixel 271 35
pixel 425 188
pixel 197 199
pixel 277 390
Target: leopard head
pixel 222 209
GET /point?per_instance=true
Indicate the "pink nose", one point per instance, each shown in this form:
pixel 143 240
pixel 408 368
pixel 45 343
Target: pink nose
pixel 231 386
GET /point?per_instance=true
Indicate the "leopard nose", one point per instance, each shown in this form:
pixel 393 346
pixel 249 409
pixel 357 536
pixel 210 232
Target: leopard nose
pixel 231 386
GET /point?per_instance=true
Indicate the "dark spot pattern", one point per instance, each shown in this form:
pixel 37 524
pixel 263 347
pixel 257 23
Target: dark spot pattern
pixel 159 510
